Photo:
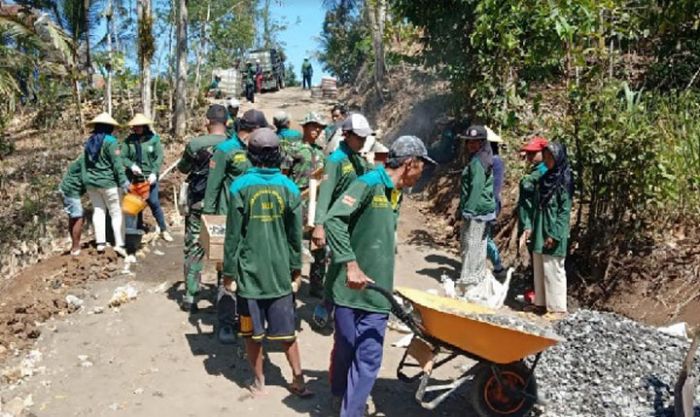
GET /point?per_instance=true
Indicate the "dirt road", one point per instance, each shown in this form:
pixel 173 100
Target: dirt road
pixel 148 358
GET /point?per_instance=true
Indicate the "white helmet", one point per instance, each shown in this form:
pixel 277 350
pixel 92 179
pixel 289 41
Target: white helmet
pixel 232 102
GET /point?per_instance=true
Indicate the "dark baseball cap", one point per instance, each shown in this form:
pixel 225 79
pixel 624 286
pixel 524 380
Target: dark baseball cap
pixel 253 119
pixel 263 137
pixel 474 132
pixel 410 147
pixel 217 113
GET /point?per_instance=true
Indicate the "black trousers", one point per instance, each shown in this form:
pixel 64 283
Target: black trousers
pixel 306 82
pixel 250 92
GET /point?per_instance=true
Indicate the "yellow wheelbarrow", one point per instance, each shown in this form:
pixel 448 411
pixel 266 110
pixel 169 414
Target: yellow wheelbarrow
pixel 502 380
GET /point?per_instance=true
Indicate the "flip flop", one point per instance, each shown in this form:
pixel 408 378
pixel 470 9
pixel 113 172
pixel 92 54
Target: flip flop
pixel 303 392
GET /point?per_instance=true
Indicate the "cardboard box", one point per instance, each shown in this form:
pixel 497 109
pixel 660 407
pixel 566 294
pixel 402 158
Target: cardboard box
pixel 212 236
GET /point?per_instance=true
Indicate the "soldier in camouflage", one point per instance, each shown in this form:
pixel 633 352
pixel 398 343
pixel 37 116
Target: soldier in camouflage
pixel 304 159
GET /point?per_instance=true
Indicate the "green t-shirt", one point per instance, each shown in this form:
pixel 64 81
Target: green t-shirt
pixel 342 167
pixel 263 234
pixel 72 183
pixel 552 220
pixel 527 195
pixel 476 197
pixel 228 163
pixel 361 226
pixel 107 169
pixel 151 154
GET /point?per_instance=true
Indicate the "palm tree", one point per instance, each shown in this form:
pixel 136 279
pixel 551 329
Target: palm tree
pixel 29 39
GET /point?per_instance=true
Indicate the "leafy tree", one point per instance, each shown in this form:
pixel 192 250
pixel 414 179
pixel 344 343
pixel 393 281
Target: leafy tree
pixel 291 79
pixel 345 41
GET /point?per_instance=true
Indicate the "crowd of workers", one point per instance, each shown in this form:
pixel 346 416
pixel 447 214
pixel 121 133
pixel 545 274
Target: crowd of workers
pixel 260 178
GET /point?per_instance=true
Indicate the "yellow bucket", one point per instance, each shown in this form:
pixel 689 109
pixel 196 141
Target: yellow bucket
pixel 132 204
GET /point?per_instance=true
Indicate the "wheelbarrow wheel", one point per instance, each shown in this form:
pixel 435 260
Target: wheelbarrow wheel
pixel 507 394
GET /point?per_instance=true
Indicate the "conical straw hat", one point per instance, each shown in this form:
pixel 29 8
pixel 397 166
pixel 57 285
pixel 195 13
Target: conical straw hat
pixel 103 118
pixel 140 120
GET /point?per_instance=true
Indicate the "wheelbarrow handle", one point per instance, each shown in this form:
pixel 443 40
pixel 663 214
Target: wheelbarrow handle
pixel 396 308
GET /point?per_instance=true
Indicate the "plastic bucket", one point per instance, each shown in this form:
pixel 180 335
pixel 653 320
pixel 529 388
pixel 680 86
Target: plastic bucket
pixel 133 204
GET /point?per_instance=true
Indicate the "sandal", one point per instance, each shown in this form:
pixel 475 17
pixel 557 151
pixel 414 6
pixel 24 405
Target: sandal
pixel 301 390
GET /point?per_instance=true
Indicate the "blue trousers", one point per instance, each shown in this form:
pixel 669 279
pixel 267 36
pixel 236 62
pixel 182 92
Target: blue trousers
pixel 493 254
pixel 356 357
pixel 153 202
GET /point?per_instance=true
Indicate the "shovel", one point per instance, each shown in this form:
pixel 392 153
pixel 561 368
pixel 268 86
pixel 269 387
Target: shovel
pixel 684 391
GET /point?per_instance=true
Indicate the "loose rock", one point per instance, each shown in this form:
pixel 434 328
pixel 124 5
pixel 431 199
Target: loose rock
pixel 610 366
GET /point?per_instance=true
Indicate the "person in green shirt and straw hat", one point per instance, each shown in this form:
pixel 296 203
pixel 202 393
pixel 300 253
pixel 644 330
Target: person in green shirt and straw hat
pixel 105 180
pixel 142 153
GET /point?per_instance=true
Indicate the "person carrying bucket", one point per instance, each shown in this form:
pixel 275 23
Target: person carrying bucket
pixel 142 153
pixel 105 180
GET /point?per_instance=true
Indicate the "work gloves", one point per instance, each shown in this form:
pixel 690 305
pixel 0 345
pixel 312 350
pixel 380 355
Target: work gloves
pixel 152 178
pixel 136 170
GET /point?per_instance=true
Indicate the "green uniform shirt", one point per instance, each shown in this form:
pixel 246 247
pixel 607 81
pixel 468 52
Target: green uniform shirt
pixel 228 163
pixel 263 234
pixel 72 183
pixel 151 154
pixel 476 198
pixel 250 75
pixel 552 220
pixel 290 135
pixel 341 168
pixel 306 68
pixel 306 158
pixel 360 227
pixel 107 170
pixel 526 197
pixel 188 160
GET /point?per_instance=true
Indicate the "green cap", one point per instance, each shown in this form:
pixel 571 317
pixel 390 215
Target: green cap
pixel 313 117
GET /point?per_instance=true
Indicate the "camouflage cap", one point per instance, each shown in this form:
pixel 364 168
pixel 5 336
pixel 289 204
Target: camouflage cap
pixel 410 147
pixel 313 117
pixel 263 138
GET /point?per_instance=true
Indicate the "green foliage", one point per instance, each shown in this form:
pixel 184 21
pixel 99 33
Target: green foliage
pixel 632 141
pixel 231 31
pixel 291 79
pixel 345 41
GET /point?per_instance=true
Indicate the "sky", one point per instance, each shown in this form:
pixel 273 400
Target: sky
pixel 305 22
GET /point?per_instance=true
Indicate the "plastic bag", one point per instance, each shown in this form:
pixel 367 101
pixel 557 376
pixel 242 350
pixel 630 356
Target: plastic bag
pixel 490 292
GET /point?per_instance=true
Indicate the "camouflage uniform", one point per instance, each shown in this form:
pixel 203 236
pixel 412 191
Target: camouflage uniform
pixel 301 160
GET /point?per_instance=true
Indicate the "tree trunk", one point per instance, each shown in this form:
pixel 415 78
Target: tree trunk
pixel 377 15
pixel 110 31
pixel 201 49
pixel 88 54
pixel 180 114
pixel 171 65
pixel 146 48
pixel 78 102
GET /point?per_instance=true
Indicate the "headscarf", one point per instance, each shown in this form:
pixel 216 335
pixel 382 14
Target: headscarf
pixel 559 176
pixel 94 142
pixel 485 155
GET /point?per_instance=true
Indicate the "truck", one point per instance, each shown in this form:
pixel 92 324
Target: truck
pixel 272 65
